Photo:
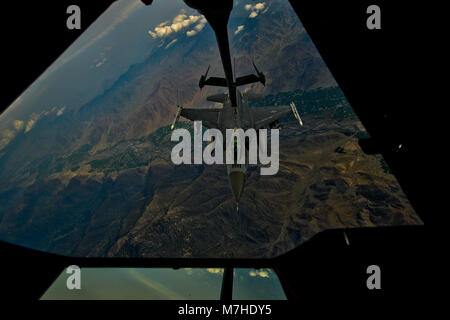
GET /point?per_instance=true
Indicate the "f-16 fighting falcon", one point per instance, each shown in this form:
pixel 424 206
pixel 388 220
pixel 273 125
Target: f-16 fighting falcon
pixel 235 112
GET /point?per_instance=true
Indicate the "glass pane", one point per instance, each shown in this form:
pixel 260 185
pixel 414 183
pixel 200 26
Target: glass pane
pixel 139 284
pixel 85 152
pixel 257 284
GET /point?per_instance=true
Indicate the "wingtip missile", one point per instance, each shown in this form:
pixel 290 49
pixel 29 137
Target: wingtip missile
pixel 177 116
pixel 296 114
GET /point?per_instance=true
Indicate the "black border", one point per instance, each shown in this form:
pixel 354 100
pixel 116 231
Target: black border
pixel 377 71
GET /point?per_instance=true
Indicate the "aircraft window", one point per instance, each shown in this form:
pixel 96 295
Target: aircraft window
pixel 164 284
pixel 85 152
pixel 257 284
pixel 139 284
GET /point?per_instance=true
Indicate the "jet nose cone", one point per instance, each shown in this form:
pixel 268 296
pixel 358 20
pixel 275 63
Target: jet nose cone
pixel 237 180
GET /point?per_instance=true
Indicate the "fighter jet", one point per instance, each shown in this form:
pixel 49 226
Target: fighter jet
pixel 244 117
pixel 235 111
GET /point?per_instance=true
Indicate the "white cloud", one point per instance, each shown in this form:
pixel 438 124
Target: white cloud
pixel 30 125
pixel 60 111
pixel 189 271
pixel 239 29
pixel 201 24
pixel 259 6
pixel 18 124
pixel 179 18
pixel 163 23
pixel 101 62
pixel 191 33
pixel 171 43
pixel 259 273
pixel 255 9
pixel 32 121
pixel 5 138
pixel 181 21
pixel 215 270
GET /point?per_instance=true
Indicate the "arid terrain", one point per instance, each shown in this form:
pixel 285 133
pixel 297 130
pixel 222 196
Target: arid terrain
pixel 85 152
pixel 135 202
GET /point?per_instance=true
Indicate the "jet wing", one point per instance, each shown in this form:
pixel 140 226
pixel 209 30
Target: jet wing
pixel 263 116
pixel 210 117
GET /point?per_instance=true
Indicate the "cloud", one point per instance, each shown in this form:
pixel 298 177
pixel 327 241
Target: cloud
pixel 7 135
pixel 191 33
pixel 30 125
pixel 181 21
pixel 160 32
pixel 5 138
pixel 255 9
pixel 162 24
pixel 189 271
pixel 239 29
pixel 15 126
pixel 215 270
pixel 18 124
pixel 201 25
pixel 32 121
pixel 60 111
pixel 259 6
pixel 171 43
pixel 259 273
pixel 101 63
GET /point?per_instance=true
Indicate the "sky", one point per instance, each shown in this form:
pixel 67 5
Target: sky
pixel 167 284
pixel 125 34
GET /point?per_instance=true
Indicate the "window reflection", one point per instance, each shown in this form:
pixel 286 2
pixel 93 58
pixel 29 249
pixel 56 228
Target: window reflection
pixel 140 284
pixel 257 284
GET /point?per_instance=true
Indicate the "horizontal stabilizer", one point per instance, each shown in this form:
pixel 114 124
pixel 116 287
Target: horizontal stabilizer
pixel 240 81
pixel 251 78
pixel 221 98
pixel 213 81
